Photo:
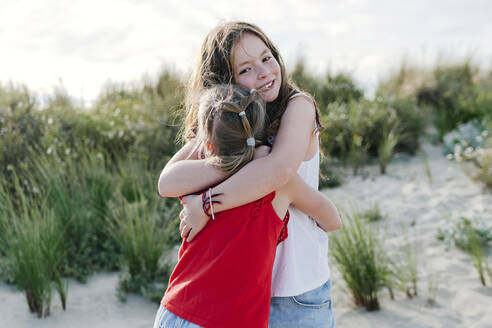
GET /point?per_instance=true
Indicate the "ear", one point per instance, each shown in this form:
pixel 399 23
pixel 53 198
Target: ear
pixel 210 148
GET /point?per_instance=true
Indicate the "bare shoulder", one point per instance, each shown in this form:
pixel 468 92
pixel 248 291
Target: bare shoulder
pixel 301 95
pixel 301 104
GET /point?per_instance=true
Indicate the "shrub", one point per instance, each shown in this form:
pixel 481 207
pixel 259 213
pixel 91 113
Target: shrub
pixel 409 118
pixel 455 95
pixel 20 127
pixel 357 155
pixel 404 83
pixel 353 128
pixel 471 236
pixel 459 232
pixel 356 132
pixel 471 145
pixel 471 135
pixel 148 114
pixel 483 162
pixel 339 88
pixel 141 119
pixel 330 173
pixel 77 130
pixel 399 92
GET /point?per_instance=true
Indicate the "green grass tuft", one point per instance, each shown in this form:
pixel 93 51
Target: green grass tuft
pixel 361 260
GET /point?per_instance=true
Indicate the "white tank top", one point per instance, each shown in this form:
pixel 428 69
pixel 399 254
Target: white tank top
pixel 301 261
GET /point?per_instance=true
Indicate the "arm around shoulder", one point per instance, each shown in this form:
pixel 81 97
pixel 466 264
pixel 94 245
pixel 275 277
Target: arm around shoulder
pixel 185 173
pixel 315 204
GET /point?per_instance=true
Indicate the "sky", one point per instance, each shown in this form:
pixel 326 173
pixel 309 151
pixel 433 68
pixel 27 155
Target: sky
pixel 82 45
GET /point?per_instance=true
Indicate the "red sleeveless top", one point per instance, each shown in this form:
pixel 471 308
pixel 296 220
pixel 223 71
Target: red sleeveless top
pixel 223 277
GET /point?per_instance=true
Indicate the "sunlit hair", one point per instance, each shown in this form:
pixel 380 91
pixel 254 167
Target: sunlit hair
pixel 215 67
pixel 227 116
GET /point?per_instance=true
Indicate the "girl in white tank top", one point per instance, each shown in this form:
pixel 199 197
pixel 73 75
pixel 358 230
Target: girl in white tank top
pixel 301 263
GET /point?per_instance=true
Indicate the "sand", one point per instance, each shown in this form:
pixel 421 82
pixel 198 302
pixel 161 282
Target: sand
pixel 409 199
pixel 93 304
pixel 417 204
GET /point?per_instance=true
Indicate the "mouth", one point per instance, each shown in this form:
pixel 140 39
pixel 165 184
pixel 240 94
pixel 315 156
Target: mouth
pixel 266 87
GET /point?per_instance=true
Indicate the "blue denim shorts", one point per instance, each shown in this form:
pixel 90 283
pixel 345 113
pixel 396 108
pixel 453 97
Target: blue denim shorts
pixel 166 319
pixel 313 309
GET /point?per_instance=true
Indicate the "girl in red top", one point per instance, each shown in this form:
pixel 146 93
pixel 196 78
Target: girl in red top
pixel 223 277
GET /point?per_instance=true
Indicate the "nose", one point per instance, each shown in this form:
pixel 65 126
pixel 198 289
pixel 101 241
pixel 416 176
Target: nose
pixel 263 72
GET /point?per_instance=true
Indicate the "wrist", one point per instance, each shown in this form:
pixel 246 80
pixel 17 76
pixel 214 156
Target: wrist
pixel 208 202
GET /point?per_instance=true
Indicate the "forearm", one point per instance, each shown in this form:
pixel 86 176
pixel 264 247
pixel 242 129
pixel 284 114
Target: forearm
pixel 185 174
pixel 255 180
pixel 326 215
pixel 315 204
pixel 188 176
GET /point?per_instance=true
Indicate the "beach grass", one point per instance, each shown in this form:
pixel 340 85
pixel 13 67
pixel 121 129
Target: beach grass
pixel 373 214
pixel 361 260
pixel 142 237
pixel 389 140
pixel 405 268
pixel 32 243
pixel 472 236
pixel 432 288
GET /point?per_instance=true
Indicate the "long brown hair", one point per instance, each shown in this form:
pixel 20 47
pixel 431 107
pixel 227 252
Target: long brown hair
pixel 215 67
pixel 227 116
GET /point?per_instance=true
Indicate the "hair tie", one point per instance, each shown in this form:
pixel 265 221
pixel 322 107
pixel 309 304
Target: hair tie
pixel 250 142
pixel 246 101
pixel 242 113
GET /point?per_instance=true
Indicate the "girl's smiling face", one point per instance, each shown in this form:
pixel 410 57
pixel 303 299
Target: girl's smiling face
pixel 255 67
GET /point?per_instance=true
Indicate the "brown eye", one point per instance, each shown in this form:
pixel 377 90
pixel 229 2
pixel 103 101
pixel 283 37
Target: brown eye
pixel 244 70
